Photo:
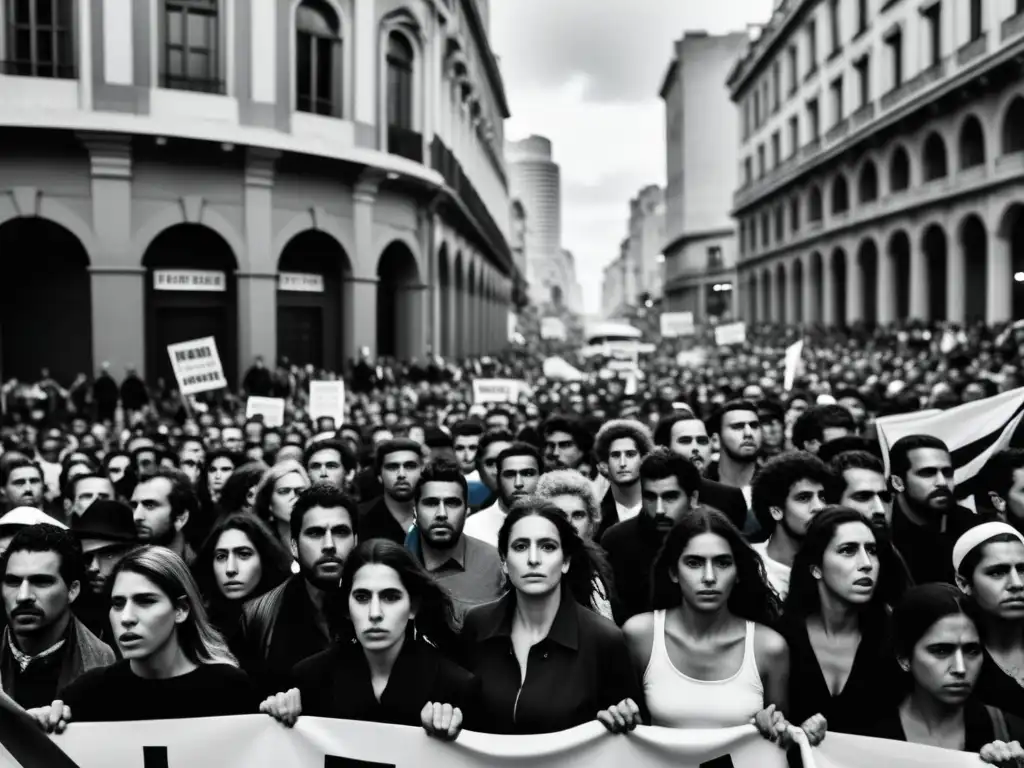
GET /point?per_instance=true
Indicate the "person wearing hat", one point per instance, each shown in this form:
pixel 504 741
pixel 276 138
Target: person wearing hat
pixel 22 517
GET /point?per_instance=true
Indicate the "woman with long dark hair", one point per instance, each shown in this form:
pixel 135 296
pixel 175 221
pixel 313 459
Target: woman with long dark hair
pixel 545 661
pixel 241 559
pixel 217 468
pixel 837 622
pixel 175 664
pixel 383 669
pixel 708 653
pixel 239 492
pixel 939 650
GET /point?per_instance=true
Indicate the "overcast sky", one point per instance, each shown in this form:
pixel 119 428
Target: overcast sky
pixel 586 74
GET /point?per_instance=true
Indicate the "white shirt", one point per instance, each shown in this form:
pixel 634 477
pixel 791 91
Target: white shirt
pixel 628 513
pixel 778 574
pixel 473 477
pixel 485 524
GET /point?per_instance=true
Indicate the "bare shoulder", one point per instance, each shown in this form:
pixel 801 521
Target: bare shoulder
pixel 638 627
pixel 769 644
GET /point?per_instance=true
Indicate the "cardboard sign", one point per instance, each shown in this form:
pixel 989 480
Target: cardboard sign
pixel 552 328
pixel 733 333
pixel 300 282
pixel 675 324
pixel 793 355
pixel 497 390
pixel 189 280
pixel 197 365
pixel 327 398
pixel 270 408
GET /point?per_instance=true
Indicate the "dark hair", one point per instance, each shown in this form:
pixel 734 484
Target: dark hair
pixel 997 474
pixel 182 496
pixel 236 487
pixel 7 469
pixel 394 446
pixel 570 426
pixel 921 607
pixel 777 477
pixel 275 560
pixel 435 437
pixel 622 429
pixel 497 411
pixel 812 423
pixel 520 449
pixel 973 558
pixel 661 464
pixel 663 432
pixel 326 496
pixel 442 472
pixel 848 444
pixel 899 453
pixel 489 439
pixel 43 537
pixel 582 568
pixel 851 460
pixel 71 487
pixel 467 428
pixel 714 421
pixel 348 459
pixel 66 488
pixel 751 598
pixel 804 600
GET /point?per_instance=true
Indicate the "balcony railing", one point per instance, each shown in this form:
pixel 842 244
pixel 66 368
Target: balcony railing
pixel 972 50
pixel 811 148
pixel 863 116
pixel 1012 26
pixel 895 96
pixel 838 131
pixel 195 84
pixel 27 68
pixel 405 143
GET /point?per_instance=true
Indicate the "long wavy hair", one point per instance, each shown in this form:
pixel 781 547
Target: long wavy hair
pixel 265 487
pixel 751 597
pixel 235 490
pixel 198 639
pixel 275 560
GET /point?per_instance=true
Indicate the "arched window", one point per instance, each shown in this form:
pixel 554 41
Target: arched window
pixel 972 144
pixel 400 67
pixel 39 38
pixel 814 207
pixel 794 213
pixel 868 185
pixel 1013 127
pixel 840 195
pixel 935 166
pixel 899 171
pixel 318 59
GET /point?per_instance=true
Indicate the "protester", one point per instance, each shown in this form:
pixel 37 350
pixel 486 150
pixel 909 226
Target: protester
pixel 485 495
pixel 518 469
pixel 619 447
pixel 162 505
pixel 276 494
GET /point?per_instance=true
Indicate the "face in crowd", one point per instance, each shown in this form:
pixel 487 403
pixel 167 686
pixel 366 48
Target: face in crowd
pixel 535 561
pixel 517 478
pixel 155 522
pixel 576 512
pixel 488 462
pixel 664 501
pixel 849 565
pixel 706 572
pixel 867 492
pixel 689 439
pixel 100 564
pixel 399 473
pixel 144 617
pixel 624 459
pixel 441 514
pixel 191 457
pixel 465 452
pixel 561 451
pixel 87 490
pixel 741 436
pixel 24 487
pixel 36 597
pixel 118 466
pixel 326 466
pixel 928 486
pixel 218 474
pixel 237 568
pixel 997 581
pixel 946 661
pixel 326 539
pixel 805 499
pixel 380 607
pixel 286 492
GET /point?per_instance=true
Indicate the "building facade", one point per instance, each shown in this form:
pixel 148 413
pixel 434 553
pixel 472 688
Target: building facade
pixel 882 162
pixel 300 179
pixel 647 239
pixel 701 127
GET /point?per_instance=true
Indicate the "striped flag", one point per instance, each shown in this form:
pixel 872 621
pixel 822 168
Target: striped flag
pixel 974 432
pixel 23 743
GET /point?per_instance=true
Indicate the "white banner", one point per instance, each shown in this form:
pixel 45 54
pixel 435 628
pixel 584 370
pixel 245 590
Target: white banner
pixel 270 408
pixel 197 365
pixel 675 324
pixel 552 328
pixel 189 280
pixel 497 390
pixel 793 355
pixel 327 398
pixel 301 282
pixel 733 333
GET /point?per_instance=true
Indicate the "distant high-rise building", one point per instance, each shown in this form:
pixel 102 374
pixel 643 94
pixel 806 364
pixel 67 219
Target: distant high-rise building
pixel 647 239
pixel 700 132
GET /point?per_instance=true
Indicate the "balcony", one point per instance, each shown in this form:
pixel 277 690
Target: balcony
pixel 838 131
pixel 25 68
pixel 194 84
pixel 863 116
pixel 933 74
pixel 972 51
pixel 895 96
pixel 405 143
pixel 1012 26
pixel 811 148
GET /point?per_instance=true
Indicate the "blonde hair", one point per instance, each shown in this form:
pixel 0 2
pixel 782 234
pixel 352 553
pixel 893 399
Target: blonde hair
pixel 265 487
pixel 198 639
pixel 569 482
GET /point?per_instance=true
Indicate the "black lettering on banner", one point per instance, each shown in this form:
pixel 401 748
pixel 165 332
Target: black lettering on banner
pixel 725 761
pixel 333 761
pixel 154 757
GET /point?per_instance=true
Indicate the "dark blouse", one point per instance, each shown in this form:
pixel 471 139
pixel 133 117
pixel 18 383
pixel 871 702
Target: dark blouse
pixel 875 681
pixel 337 683
pixel 998 689
pixel 580 668
pixel 978 726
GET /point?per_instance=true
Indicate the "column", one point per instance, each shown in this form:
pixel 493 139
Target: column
pixel 701 313
pixel 918 279
pixel 808 289
pixel 452 298
pixel 828 293
pixel 257 276
pixel 999 289
pixel 117 277
pixel 854 288
pixel 886 287
pixel 410 306
pixel 361 316
pixel 956 281
pixel 365 36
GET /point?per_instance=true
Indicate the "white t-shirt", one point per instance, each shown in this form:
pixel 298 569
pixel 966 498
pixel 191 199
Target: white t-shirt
pixel 627 513
pixel 778 574
pixel 485 524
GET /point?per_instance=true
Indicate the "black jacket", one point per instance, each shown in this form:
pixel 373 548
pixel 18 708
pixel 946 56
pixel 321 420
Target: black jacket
pixel 726 499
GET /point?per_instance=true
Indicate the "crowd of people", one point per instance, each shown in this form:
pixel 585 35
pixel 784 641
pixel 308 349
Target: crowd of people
pixel 696 548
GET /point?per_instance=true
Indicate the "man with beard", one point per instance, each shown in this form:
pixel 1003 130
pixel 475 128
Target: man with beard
pixel 518 472
pixel 466 437
pixel 85 489
pixel 161 506
pixel 290 622
pixel 467 568
pixel 738 429
pixel 1002 479
pixel 926 521
pixel 399 463
pixel 106 533
pixel 566 443
pixel 788 492
pixel 21 484
pixel 44 647
pixel 620 446
pixel 669 486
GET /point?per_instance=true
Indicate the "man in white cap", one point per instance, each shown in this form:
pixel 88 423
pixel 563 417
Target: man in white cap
pixel 22 517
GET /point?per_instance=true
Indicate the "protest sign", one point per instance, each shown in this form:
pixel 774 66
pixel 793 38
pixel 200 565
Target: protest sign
pixel 197 365
pixel 793 355
pixel 497 390
pixel 733 333
pixel 552 328
pixel 327 398
pixel 675 324
pixel 692 358
pixel 270 408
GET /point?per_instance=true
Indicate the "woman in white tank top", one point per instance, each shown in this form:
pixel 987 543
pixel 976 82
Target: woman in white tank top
pixel 708 656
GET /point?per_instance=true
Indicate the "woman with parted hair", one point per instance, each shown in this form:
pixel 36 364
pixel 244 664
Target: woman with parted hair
pixel 174 663
pixel 276 494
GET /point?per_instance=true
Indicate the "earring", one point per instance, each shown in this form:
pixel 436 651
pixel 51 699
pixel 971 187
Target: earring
pixel 816 573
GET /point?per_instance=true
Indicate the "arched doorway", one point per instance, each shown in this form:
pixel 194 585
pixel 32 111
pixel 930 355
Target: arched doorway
pixel 797 270
pixel 1013 230
pixel 817 278
pixel 458 297
pixel 839 314
pixel 767 309
pixel 781 287
pixel 974 244
pixel 936 258
pixel 899 252
pixel 46 309
pixel 399 319
pixel 309 285
pixel 444 279
pixel 867 262
pixel 191 292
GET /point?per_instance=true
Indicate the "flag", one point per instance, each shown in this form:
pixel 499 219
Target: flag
pixel 973 432
pixel 23 743
pixel 793 354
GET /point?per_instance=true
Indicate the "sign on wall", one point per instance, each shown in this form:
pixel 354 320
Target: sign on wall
pixel 675 324
pixel 300 282
pixel 197 365
pixel 189 280
pixel 327 398
pixel 552 328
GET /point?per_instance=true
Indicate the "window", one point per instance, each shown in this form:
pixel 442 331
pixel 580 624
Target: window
pixel 757 108
pixel 895 45
pixel 780 223
pixel 977 29
pixel 318 59
pixel 776 149
pixel 714 257
pixel 833 19
pixel 39 42
pixel 812 48
pixel 863 67
pixel 766 234
pixel 794 68
pixel 794 213
pixel 794 134
pixel 862 15
pixel 776 86
pixel 813 119
pixel 748 171
pixel 760 161
pixel 933 18
pixel 191 35
pixel 837 100
pixel 1018 8
pixel 400 61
